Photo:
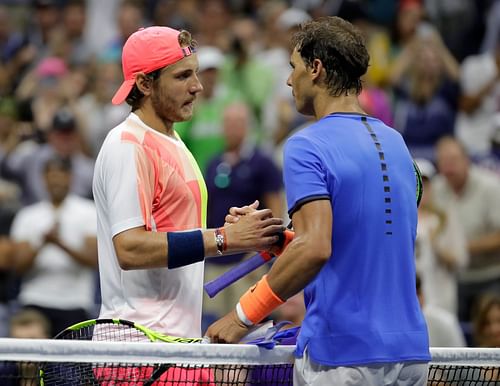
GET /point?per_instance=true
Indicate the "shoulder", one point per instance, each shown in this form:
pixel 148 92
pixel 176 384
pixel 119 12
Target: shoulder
pixel 302 136
pixel 121 140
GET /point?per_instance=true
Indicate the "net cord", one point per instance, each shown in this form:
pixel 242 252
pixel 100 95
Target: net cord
pixel 47 350
pixel 471 356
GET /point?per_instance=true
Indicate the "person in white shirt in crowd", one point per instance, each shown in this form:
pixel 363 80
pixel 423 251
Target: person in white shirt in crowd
pixel 480 88
pixel 474 193
pixel 443 326
pixel 56 251
pixel 441 248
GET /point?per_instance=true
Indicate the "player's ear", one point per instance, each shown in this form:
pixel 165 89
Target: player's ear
pixel 316 69
pixel 143 83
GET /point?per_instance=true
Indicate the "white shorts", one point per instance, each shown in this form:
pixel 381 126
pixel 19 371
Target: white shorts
pixel 306 372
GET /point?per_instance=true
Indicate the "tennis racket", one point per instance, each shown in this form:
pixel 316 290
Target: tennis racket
pixel 115 330
pixel 213 287
pixel 420 188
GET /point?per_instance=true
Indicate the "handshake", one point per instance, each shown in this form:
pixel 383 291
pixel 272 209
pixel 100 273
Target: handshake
pixel 213 287
pixel 284 238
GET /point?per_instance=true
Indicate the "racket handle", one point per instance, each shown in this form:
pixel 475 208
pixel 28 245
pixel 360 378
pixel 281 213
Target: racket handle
pixel 213 287
pixel 284 239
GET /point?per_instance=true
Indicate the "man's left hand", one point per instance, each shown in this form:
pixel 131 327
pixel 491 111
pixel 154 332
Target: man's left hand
pixel 228 329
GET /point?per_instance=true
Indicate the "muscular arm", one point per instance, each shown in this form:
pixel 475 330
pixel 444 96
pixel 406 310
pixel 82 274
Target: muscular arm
pixel 295 267
pixel 138 248
pixel 307 253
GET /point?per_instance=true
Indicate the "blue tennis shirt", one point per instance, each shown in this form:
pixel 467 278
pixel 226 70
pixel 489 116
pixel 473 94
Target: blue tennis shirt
pixel 362 306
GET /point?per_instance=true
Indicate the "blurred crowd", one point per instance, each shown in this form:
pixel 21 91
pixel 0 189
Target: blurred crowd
pixel 434 76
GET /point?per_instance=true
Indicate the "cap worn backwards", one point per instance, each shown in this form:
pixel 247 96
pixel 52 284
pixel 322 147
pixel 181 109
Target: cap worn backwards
pixel 147 50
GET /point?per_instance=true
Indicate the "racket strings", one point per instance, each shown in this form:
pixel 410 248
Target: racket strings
pixel 109 330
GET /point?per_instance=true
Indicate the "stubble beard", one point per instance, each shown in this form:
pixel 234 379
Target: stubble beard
pixel 165 109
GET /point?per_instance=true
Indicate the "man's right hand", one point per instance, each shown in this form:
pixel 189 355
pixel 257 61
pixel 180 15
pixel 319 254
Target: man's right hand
pixel 254 229
pixel 236 212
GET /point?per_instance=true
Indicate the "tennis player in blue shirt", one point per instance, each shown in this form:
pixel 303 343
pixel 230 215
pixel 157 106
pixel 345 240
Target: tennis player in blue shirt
pixel 350 186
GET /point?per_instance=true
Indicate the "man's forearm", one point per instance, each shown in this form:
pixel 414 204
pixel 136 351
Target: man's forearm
pixel 296 267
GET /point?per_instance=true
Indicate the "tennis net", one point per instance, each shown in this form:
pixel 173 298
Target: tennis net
pixel 65 363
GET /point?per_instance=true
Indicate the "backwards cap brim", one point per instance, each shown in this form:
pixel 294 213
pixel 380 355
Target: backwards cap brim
pixel 123 92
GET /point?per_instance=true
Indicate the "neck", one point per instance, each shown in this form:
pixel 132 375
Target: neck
pixel 147 115
pixel 326 104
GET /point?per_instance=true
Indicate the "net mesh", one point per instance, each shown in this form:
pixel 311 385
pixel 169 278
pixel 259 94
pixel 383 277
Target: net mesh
pixel 49 362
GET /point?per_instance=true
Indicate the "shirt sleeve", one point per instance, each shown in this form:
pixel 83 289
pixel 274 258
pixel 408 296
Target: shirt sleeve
pixel 127 187
pixel 303 173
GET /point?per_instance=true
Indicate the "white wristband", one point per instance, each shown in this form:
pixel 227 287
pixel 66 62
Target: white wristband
pixel 241 315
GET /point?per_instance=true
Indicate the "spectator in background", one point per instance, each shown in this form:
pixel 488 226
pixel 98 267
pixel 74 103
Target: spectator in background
pixel 9 205
pixel 6 261
pixel 25 164
pixel 46 20
pixel 101 25
pixel 10 40
pixel 178 14
pixel 9 192
pixel 486 321
pixel 203 133
pixel 95 110
pixel 238 175
pixel 460 23
pixel 56 250
pixel 279 115
pixel 409 17
pixel 249 76
pixel 25 324
pixel 130 17
pixel 29 324
pixel 214 19
pixel 441 248
pixel 42 89
pixel 68 41
pixel 14 54
pixel 492 31
pixel 443 326
pixel 474 193
pixel 425 77
pixel 479 100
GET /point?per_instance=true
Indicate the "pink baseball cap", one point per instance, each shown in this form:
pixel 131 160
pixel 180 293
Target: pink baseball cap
pixel 147 50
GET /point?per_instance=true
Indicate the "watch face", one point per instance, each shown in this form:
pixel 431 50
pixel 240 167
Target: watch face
pixel 219 240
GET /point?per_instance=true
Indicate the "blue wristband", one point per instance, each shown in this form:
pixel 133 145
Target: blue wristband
pixel 185 248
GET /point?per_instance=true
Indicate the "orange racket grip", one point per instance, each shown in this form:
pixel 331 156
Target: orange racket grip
pixel 285 238
pixel 266 256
